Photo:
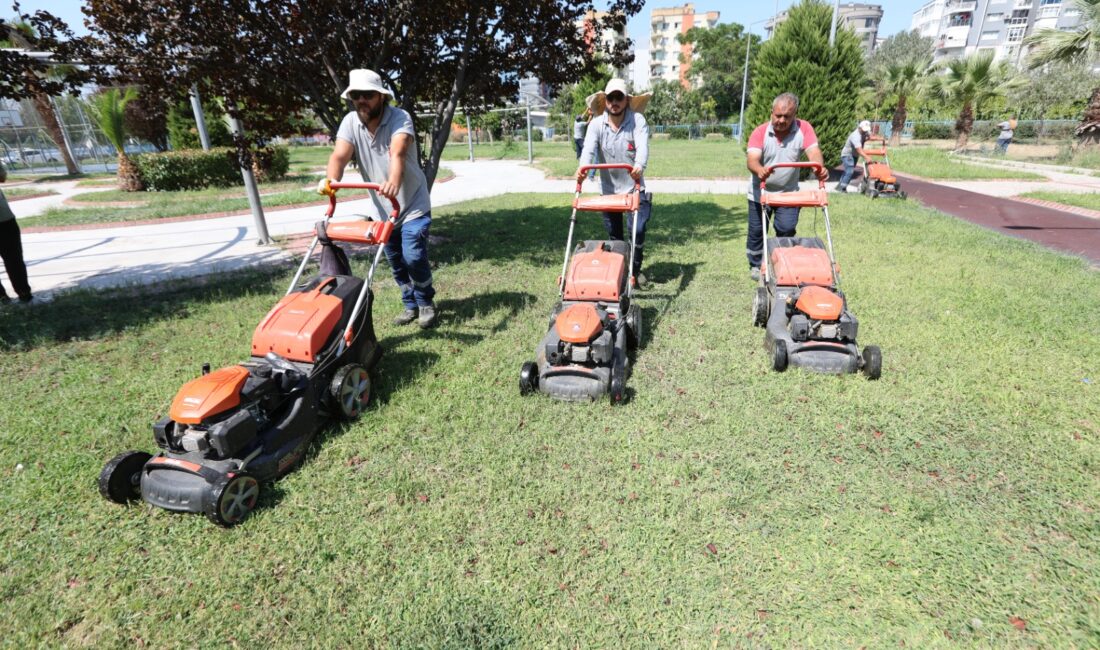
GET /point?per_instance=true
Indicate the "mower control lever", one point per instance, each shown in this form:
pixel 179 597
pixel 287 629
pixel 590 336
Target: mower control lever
pixel 585 168
pixel 374 187
pixel 816 167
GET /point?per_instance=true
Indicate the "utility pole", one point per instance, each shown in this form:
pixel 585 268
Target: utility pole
pixel 530 148
pixel 200 119
pixel 832 30
pixel 470 137
pixel 250 184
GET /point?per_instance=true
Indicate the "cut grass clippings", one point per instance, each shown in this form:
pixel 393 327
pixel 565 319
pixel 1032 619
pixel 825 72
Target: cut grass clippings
pixel 1090 200
pixel 953 501
pixel 934 164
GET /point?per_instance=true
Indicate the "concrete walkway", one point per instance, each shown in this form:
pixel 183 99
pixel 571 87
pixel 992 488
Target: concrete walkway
pixel 138 254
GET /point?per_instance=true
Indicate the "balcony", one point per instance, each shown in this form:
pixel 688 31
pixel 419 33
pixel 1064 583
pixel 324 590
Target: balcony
pixel 962 6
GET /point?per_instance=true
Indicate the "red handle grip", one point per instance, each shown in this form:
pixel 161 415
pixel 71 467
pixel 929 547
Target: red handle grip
pixel 585 168
pixel 374 187
pixel 798 165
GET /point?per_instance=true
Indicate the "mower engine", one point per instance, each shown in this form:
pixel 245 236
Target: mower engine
pixel 580 335
pixel 817 313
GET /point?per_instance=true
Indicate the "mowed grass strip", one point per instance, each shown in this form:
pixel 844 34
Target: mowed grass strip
pixel 955 499
pixel 667 158
pixel 935 164
pixel 1090 200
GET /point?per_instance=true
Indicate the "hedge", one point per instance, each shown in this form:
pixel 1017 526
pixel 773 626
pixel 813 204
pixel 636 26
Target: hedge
pixel 924 131
pixel 192 169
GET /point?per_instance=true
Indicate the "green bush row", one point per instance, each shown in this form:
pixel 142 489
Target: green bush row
pixel 192 169
pixel 924 131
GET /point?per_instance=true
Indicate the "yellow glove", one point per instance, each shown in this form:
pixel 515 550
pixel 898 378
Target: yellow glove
pixel 324 188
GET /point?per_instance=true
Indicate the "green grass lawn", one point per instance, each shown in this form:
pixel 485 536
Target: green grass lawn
pixel 309 159
pixel 21 192
pixel 723 505
pixel 935 164
pixel 667 158
pixel 1090 200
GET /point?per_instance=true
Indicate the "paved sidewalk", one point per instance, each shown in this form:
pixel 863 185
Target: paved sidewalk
pixel 137 254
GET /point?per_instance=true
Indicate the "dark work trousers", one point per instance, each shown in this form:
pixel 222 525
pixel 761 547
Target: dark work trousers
pixel 613 221
pixel 786 222
pixel 11 250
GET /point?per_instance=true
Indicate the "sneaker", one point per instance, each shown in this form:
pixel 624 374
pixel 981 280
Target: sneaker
pixel 427 317
pixel 405 318
pixel 26 298
pixel 842 188
pixel 754 274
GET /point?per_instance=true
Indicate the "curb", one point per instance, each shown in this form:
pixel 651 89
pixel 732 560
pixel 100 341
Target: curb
pixel 1054 205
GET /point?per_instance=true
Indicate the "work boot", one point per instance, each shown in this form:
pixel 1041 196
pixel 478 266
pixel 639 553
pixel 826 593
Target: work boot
pixel 754 274
pixel 405 318
pixel 26 298
pixel 427 317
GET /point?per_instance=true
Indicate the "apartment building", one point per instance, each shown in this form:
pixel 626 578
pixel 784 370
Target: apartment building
pixel 605 39
pixel 863 19
pixel 666 51
pixel 996 26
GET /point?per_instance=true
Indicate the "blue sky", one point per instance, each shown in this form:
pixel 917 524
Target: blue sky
pixel 896 13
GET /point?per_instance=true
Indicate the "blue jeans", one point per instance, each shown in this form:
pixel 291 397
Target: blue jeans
pixel 613 221
pixel 786 222
pixel 849 171
pixel 407 252
pixel 1002 145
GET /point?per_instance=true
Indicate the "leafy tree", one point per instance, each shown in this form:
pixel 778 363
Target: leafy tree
pixel 570 101
pixel 718 64
pixel 146 117
pixel 900 48
pixel 108 108
pixel 1081 46
pixel 1045 90
pixel 967 84
pixel 183 133
pixel 25 77
pixel 275 58
pixel 826 79
pixel 904 80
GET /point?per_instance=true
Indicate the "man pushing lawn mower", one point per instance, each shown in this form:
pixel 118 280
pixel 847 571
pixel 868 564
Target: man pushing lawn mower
pixel 783 139
pixel 380 136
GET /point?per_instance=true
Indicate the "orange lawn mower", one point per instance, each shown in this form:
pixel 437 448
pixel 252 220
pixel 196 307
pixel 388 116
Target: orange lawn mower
pixel 232 429
pixel 595 322
pixel 878 178
pixel 799 302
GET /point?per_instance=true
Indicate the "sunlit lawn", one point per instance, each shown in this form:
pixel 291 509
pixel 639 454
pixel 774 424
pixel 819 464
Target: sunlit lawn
pixel 1090 200
pixel 931 163
pixel 953 502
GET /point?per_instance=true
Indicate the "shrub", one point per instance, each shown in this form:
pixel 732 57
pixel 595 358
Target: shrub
pixel 927 131
pixel 270 163
pixel 679 133
pixel 536 135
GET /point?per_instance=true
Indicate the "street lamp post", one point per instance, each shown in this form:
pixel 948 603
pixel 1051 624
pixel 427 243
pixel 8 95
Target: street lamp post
pixel 832 30
pixel 745 78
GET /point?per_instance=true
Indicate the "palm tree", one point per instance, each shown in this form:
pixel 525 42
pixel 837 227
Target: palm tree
pixel 968 83
pixel 108 108
pixel 1080 46
pixel 903 80
pixel 43 104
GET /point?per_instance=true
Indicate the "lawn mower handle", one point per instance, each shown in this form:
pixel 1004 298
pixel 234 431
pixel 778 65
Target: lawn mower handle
pixel 799 165
pixel 585 168
pixel 375 187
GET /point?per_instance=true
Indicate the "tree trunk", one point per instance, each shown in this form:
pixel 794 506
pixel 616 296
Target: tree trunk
pixel 963 126
pixel 129 178
pixel 899 122
pixel 1088 131
pixel 45 112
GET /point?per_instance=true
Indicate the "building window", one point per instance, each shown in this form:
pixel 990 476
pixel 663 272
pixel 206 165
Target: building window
pixel 1016 34
pixel 959 20
pixel 991 35
pixel 1072 13
pixel 1049 12
pixel 1043 3
pixel 990 18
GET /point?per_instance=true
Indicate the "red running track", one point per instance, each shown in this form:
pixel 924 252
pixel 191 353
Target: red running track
pixel 1052 228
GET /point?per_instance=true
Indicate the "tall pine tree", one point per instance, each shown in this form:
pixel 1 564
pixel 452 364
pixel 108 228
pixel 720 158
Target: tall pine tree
pixel 827 80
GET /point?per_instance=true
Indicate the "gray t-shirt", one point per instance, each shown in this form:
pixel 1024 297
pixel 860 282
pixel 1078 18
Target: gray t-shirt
pixel 772 150
pixel 855 141
pixel 373 152
pixel 629 144
pixel 1006 130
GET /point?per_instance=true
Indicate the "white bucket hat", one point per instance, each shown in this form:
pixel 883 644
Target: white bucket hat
pixel 865 126
pixel 597 102
pixel 363 79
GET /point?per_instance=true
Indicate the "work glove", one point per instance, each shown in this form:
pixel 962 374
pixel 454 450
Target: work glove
pixel 324 188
